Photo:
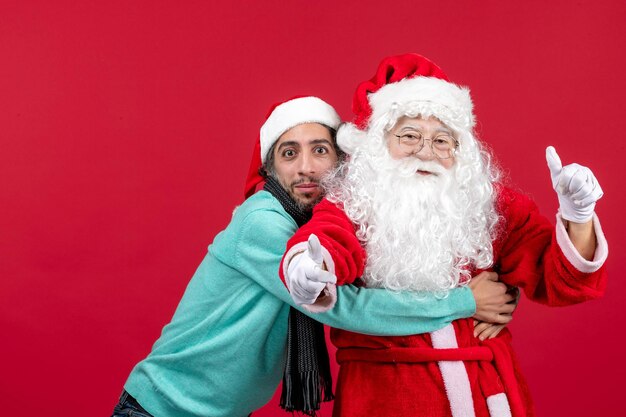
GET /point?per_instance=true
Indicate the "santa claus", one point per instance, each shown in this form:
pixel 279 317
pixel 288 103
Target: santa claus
pixel 418 206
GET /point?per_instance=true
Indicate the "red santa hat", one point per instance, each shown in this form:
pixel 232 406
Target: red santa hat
pixel 280 118
pixel 408 83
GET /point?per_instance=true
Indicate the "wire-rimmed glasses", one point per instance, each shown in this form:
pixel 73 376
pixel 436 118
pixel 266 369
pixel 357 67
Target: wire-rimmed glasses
pixel 442 145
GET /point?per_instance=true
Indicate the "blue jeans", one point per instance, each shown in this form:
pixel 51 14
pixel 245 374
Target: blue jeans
pixel 129 407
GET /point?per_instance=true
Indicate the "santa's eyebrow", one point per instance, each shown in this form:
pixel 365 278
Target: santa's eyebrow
pixel 441 129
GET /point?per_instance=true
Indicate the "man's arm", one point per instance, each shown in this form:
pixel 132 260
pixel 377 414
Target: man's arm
pixel 260 243
pixel 486 299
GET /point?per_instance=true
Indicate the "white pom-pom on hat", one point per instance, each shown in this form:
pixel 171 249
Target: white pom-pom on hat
pixel 349 137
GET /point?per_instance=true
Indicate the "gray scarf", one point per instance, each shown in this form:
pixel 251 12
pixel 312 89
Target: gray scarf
pixel 307 380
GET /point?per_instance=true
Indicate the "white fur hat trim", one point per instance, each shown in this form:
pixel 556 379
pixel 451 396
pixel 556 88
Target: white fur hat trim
pixel 292 113
pixel 427 96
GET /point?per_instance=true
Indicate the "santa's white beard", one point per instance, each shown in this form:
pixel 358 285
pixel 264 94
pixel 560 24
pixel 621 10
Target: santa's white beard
pixel 421 233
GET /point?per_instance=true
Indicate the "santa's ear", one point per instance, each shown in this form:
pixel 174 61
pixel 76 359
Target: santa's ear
pixel 349 137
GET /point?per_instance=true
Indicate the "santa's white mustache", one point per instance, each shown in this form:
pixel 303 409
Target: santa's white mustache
pixel 410 166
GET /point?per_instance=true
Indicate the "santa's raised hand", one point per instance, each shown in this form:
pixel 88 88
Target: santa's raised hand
pixel 576 186
pixel 305 277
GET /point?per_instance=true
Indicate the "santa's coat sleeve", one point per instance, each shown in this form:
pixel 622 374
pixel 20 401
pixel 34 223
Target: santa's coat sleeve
pixel 532 254
pixel 345 257
pixel 343 254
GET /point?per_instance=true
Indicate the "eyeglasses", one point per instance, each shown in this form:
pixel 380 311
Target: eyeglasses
pixel 443 145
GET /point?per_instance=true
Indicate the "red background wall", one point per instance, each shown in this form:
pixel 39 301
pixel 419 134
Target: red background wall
pixel 126 129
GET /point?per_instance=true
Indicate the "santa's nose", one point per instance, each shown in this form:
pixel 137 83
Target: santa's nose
pixel 426 152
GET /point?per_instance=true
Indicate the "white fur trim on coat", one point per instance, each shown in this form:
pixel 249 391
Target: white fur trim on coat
pixel 498 405
pixel 572 255
pixel 292 113
pixel 427 96
pixel 454 374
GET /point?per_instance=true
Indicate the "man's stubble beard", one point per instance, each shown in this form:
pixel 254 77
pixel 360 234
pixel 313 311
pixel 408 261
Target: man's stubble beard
pixel 305 202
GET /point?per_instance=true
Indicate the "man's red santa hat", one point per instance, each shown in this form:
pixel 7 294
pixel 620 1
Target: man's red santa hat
pixel 280 118
pixel 406 83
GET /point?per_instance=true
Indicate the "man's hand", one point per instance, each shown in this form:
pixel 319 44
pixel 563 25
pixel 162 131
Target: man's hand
pixel 305 277
pixel 491 298
pixel 484 330
pixel 576 187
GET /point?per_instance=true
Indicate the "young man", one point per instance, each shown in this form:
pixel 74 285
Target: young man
pixel 223 353
pixel 418 204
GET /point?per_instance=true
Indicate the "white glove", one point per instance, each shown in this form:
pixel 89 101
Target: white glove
pixel 305 277
pixel 576 186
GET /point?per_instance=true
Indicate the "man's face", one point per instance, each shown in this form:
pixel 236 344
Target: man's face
pixel 301 156
pixel 414 126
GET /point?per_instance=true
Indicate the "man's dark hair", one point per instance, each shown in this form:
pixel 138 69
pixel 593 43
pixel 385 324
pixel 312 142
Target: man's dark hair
pixel 267 169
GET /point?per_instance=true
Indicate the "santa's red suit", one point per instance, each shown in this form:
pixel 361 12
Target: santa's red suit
pixel 450 372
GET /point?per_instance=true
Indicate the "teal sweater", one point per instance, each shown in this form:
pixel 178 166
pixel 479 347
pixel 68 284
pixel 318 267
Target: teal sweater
pixel 224 350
